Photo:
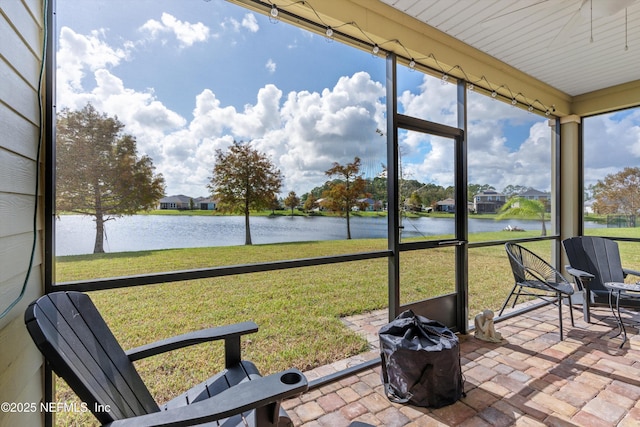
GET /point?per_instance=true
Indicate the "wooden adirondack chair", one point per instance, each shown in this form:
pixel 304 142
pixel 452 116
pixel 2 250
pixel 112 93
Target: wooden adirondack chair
pixel 77 343
pixel 594 261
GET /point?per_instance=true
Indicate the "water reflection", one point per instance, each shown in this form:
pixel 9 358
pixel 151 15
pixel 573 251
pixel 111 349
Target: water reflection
pixel 75 234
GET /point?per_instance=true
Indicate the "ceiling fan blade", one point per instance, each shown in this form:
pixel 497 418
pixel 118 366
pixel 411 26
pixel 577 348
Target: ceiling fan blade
pixel 603 8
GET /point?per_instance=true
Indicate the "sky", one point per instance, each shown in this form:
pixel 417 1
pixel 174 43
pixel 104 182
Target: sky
pixel 187 77
pixel 612 142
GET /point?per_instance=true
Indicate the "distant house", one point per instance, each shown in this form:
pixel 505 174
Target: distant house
pixel 206 204
pixel 488 201
pixel 367 204
pixel 182 202
pixel 533 194
pixel 321 205
pixel 446 205
pixel 449 205
pixel 179 202
pixel 588 206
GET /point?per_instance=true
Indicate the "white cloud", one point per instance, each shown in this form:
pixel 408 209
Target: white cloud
pixel 492 162
pixel 611 142
pixel 333 126
pixel 304 132
pixel 234 23
pixel 433 101
pixel 83 77
pixel 496 155
pixel 79 54
pixel 250 22
pixel 154 28
pixel 270 66
pixel 303 135
pixel 437 164
pixel 186 33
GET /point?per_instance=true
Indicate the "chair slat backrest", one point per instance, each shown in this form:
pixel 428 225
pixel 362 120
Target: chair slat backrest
pixel 515 259
pixel 595 255
pixel 527 266
pixel 76 341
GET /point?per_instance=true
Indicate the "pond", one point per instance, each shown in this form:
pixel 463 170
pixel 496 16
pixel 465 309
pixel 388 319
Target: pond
pixel 75 234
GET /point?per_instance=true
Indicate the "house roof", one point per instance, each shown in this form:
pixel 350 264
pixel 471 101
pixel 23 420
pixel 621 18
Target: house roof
pixel 533 192
pixel 180 198
pixel 448 201
pixel 489 193
pixel 204 200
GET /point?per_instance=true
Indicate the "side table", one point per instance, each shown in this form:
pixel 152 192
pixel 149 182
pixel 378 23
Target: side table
pixel 618 289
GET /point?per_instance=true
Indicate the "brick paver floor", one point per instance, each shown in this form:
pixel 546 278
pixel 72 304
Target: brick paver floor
pixel 531 379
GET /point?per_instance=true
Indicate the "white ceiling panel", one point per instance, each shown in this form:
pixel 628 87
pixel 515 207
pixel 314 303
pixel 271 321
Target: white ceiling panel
pixel 576 46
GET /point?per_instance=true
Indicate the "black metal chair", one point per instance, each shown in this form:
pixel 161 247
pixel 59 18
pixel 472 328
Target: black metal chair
pixel 536 277
pixel 77 343
pixel 595 264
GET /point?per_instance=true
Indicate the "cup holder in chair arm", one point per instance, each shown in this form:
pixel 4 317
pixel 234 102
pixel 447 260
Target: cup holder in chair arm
pixel 270 388
pixel 292 377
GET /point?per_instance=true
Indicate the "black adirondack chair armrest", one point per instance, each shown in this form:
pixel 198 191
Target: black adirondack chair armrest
pixel 582 275
pixel 628 271
pixel 230 333
pixel 257 393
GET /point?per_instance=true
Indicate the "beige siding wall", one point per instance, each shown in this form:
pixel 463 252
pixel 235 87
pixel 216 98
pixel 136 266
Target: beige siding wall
pixel 21 29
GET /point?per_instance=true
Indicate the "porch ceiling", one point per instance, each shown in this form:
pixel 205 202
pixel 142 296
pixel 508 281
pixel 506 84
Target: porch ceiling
pixel 549 40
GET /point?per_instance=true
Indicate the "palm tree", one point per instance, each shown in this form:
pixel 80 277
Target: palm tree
pixel 522 207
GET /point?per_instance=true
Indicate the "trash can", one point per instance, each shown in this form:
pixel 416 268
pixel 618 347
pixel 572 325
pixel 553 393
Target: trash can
pixel 420 362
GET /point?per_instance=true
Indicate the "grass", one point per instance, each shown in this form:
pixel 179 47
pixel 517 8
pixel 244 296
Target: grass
pixel 298 310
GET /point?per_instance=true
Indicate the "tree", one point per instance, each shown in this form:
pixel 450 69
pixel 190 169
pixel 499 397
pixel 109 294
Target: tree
pixel 513 190
pixel 429 194
pixel 310 203
pixel 275 204
pixel 244 179
pixel 343 193
pixel 618 192
pixel 98 171
pixel 414 203
pixel 378 188
pixel 363 204
pixel 291 201
pixel 589 192
pixel 522 207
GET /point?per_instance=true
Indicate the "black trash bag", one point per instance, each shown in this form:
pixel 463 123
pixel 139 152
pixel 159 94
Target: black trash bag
pixel 420 362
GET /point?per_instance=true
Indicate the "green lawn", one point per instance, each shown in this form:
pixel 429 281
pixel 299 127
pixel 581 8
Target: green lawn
pixel 298 310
